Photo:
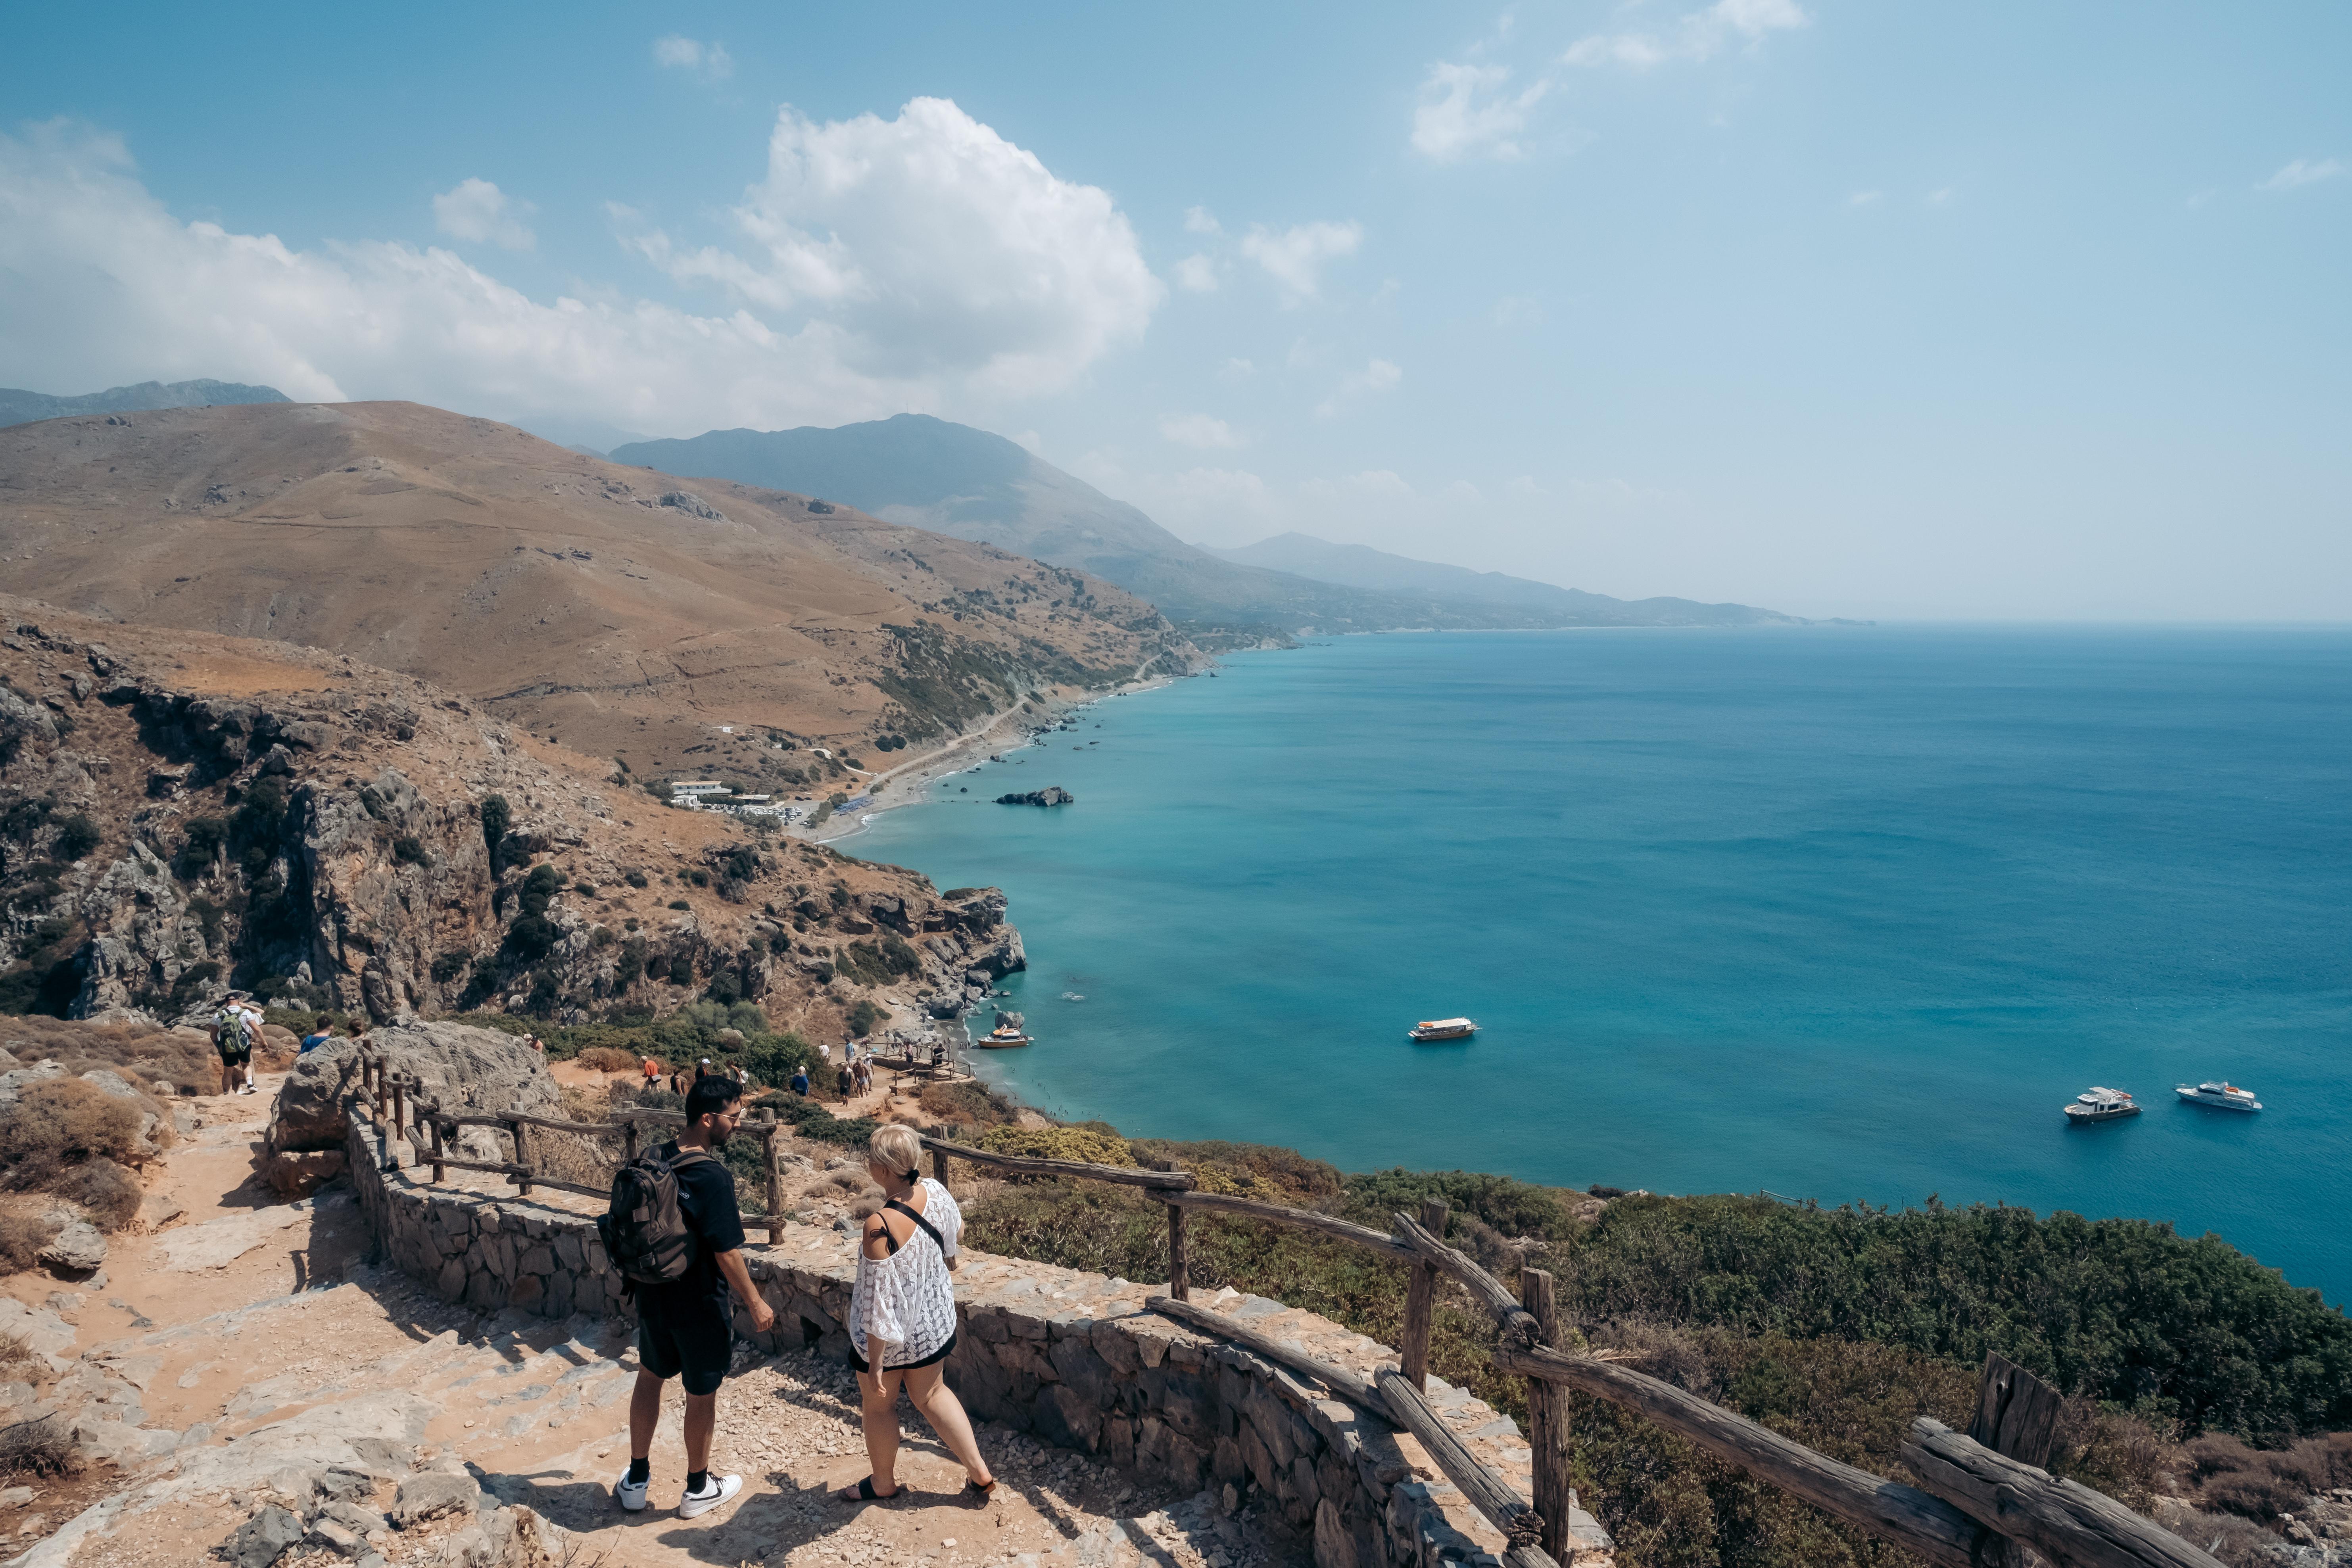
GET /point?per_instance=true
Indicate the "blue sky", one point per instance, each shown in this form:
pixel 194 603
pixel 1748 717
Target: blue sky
pixel 1899 310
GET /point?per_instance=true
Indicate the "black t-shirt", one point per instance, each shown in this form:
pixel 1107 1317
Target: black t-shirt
pixel 705 1197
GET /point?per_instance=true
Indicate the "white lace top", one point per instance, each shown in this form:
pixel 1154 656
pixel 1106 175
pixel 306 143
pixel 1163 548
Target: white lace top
pixel 907 1301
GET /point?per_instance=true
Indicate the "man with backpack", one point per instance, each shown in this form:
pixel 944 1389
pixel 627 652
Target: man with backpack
pixel 235 1033
pixel 675 1232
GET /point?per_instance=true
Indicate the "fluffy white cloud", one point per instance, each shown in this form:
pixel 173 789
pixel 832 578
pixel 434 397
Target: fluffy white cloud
pixel 1295 257
pixel 1199 220
pixel 1379 375
pixel 2303 172
pixel 690 54
pixel 1200 430
pixel 477 210
pixel 937 247
pixel 1697 35
pixel 914 299
pixel 1466 111
pixel 1197 273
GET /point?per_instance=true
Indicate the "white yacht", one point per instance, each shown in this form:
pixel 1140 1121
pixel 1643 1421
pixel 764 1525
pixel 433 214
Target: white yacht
pixel 2102 1105
pixel 2221 1095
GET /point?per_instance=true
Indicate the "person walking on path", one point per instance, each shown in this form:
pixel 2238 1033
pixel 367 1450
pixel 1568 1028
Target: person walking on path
pixel 322 1029
pixel 800 1082
pixel 683 1326
pixel 902 1318
pixel 653 1073
pixel 235 1033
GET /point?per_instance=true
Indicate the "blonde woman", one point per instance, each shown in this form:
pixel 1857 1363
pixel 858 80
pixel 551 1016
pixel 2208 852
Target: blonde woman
pixel 902 1317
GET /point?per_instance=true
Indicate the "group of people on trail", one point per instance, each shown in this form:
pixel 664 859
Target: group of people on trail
pixel 676 1232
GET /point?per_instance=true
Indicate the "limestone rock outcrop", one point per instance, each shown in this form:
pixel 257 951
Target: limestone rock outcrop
pixel 461 1068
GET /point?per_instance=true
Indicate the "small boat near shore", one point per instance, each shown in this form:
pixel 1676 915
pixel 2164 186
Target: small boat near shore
pixel 1007 1034
pixel 1429 1031
pixel 2096 1104
pixel 2221 1095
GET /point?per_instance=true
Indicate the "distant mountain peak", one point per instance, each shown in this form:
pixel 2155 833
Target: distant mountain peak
pixel 18 407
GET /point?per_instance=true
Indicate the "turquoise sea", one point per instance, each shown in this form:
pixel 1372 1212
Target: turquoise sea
pixel 1836 914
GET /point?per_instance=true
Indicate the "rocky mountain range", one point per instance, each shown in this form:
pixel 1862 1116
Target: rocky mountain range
pixel 18 407
pixel 951 479
pixel 1376 570
pixel 180 811
pixel 713 627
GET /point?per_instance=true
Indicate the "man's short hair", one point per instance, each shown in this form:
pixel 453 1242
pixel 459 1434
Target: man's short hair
pixel 710 1094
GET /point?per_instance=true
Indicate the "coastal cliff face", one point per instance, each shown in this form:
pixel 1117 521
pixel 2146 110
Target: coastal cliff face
pixel 180 812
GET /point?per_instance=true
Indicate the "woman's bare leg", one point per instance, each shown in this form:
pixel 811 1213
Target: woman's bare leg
pixel 928 1387
pixel 877 1414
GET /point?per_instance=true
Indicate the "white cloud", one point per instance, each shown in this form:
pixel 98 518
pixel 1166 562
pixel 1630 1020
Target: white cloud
pixel 940 246
pixel 1197 273
pixel 688 54
pixel 1293 257
pixel 953 272
pixel 2303 172
pixel 1865 198
pixel 1378 376
pixel 1199 220
pixel 1466 111
pixel 1236 370
pixel 1200 430
pixel 477 210
pixel 1696 35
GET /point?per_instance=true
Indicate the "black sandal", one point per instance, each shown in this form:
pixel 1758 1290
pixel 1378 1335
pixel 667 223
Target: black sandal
pixel 865 1493
pixel 984 1490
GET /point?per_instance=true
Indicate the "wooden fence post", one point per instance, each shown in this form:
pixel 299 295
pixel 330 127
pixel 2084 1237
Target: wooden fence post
pixel 775 1170
pixel 1421 1300
pixel 939 1166
pixel 522 1155
pixel 399 1103
pixel 628 1141
pixel 1180 1267
pixel 2017 1416
pixel 377 1090
pixel 1547 1422
pixel 433 1120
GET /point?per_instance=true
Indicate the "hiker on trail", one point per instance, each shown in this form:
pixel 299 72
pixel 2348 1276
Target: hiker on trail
pixel 702 1070
pixel 902 1317
pixel 322 1029
pixel 801 1081
pixel 653 1073
pixel 684 1330
pixel 234 1034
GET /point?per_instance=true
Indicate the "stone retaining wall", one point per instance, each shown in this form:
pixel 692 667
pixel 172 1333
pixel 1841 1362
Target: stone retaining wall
pixel 1075 1359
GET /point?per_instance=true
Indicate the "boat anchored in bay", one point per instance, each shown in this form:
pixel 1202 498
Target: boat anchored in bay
pixel 2221 1095
pixel 1430 1030
pixel 1006 1035
pixel 2102 1105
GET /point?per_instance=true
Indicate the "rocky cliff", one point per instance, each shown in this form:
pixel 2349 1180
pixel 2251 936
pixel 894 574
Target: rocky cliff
pixel 181 811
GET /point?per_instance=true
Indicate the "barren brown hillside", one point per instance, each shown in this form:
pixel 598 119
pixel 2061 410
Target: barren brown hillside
pixel 621 611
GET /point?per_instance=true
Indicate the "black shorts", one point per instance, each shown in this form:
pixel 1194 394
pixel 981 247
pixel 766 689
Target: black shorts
pixel 235 1056
pixel 690 1339
pixel 857 1362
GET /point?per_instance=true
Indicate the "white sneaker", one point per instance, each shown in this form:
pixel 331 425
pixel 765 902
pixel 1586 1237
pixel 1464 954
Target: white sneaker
pixel 716 1489
pixel 632 1494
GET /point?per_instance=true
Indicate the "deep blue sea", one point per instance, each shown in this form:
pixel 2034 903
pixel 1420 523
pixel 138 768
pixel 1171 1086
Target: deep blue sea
pixel 1836 914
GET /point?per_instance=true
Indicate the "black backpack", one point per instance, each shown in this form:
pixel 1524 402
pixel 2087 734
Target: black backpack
pixel 645 1232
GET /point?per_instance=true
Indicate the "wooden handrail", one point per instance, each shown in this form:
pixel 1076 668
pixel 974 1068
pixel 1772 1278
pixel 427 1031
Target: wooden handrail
pixel 1126 1175
pixel 1906 1515
pixel 1389 1396
pixel 1510 1318
pixel 2067 1522
pixel 1283 1214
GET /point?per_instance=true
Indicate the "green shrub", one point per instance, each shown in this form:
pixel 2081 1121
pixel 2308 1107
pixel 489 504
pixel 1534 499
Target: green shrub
pixel 408 851
pixel 76 836
pixel 863 1016
pixel 634 879
pixel 1509 1208
pixel 495 816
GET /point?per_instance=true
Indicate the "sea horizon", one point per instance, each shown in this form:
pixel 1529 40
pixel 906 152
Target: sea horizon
pixel 1841 913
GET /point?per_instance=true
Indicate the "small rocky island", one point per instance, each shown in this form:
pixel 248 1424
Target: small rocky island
pixel 1052 795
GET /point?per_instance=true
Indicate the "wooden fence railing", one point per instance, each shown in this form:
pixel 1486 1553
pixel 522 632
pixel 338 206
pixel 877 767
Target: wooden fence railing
pixel 1982 1499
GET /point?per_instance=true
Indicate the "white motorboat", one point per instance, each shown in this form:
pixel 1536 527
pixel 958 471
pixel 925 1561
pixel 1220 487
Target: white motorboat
pixel 1434 1029
pixel 2102 1105
pixel 2221 1095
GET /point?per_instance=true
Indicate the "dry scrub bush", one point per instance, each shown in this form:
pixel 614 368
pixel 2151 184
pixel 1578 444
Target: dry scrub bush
pixel 960 1102
pixel 22 1237
pixel 2239 1542
pixel 2231 1478
pixel 1253 1170
pixel 41 1447
pixel 107 1192
pixel 142 1053
pixel 610 1058
pixel 1080 1143
pixel 17 1361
